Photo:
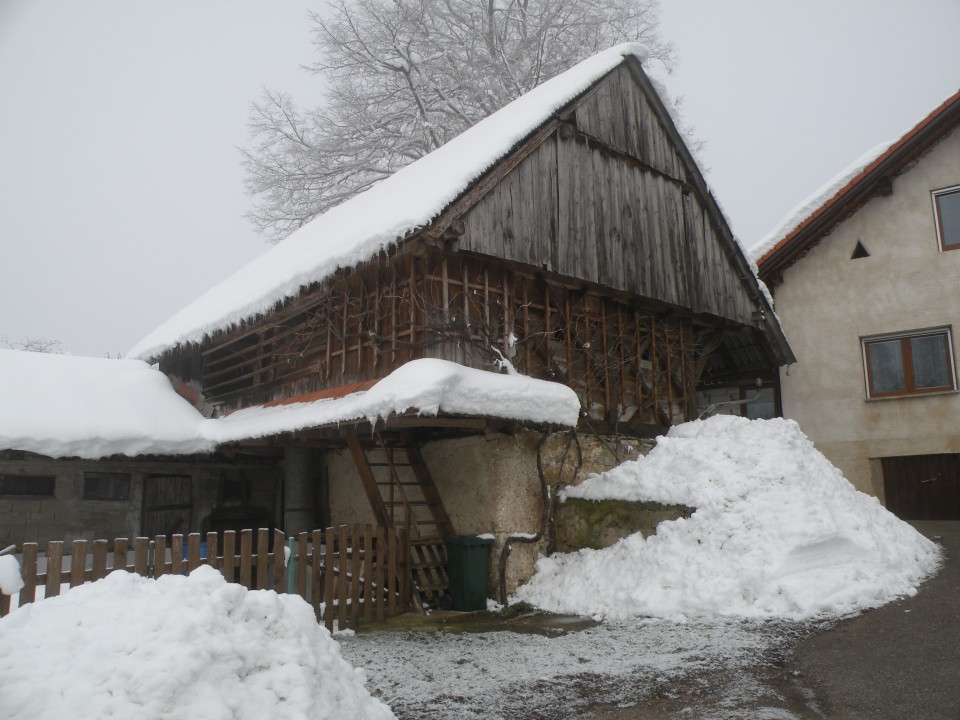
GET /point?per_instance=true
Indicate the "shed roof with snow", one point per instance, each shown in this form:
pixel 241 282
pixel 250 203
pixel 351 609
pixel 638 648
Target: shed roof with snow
pixel 642 239
pixel 870 175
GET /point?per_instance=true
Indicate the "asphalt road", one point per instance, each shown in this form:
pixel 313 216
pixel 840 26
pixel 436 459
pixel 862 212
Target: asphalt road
pixel 900 661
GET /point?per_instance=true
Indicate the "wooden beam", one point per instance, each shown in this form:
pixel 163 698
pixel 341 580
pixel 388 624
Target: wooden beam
pixel 369 482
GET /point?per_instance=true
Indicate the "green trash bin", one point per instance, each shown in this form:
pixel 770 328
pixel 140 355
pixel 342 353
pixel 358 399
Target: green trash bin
pixel 467 558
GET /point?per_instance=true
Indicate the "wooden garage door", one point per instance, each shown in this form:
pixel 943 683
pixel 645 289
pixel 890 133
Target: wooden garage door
pixel 166 505
pixel 923 487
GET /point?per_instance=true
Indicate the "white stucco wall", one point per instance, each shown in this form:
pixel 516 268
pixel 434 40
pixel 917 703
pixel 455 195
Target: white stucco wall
pixel 828 301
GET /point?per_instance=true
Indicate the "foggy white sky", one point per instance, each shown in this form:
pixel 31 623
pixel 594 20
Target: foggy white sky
pixel 121 191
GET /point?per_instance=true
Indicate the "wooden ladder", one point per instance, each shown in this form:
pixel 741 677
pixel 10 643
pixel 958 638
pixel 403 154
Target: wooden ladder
pixel 402 494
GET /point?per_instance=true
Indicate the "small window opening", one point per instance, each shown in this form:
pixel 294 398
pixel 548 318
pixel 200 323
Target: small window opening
pixel 859 251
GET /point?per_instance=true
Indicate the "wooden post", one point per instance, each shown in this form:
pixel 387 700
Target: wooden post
pixel 317 580
pixel 280 568
pixel 141 552
pixel 54 567
pixel 302 565
pixel 159 556
pixel 342 579
pixel 246 557
pixel 355 548
pixel 367 573
pixel 213 559
pixel 381 549
pixel 78 563
pixel 403 568
pixel 229 566
pixel 28 592
pixel 263 558
pixel 329 578
pixel 391 583
pixel 193 551
pixel 99 560
pixel 176 554
pixel 120 554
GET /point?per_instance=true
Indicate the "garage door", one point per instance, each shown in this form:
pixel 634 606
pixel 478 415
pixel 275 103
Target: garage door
pixel 923 487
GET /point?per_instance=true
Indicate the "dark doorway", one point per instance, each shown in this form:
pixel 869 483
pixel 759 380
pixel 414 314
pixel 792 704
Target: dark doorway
pixel 166 505
pixel 923 487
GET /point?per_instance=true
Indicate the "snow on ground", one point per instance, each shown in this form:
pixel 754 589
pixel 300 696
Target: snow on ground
pixel 778 532
pixel 513 676
pixel 66 406
pixel 183 647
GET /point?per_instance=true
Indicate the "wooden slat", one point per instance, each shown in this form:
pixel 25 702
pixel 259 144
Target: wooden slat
pixel 328 578
pixel 120 547
pixel 263 558
pixel 193 551
pixel 160 556
pixel 246 557
pixel 369 481
pixel 342 582
pixel 213 559
pixel 229 566
pixel 54 567
pixel 141 555
pixel 78 563
pixel 367 573
pixel 403 560
pixel 99 560
pixel 317 587
pixel 280 568
pixel 176 554
pixel 28 592
pixel 380 573
pixel 356 541
pixel 391 571
pixel 302 564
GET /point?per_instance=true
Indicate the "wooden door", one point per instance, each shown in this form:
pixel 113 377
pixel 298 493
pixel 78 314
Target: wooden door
pixel 167 500
pixel 923 487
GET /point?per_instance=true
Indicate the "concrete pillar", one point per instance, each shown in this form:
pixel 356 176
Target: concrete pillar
pixel 301 485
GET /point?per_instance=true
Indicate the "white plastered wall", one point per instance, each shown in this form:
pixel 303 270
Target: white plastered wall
pixel 828 301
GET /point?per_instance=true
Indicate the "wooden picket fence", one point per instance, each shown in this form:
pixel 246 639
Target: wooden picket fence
pixel 349 573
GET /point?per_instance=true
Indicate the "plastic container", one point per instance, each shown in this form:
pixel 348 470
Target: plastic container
pixel 467 560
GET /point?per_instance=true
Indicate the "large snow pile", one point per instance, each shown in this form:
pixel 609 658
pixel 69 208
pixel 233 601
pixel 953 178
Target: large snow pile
pixel 177 647
pixel 778 532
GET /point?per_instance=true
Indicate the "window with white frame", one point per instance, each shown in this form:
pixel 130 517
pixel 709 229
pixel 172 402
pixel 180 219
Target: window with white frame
pixel 946 213
pixel 912 363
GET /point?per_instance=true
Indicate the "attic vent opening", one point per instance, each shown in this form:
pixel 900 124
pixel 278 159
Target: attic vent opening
pixel 859 251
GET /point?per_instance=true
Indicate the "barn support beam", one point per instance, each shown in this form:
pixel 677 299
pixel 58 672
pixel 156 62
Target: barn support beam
pixel 305 491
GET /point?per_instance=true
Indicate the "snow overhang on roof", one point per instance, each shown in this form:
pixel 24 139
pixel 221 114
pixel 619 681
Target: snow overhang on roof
pixel 65 406
pixel 869 175
pixel 363 226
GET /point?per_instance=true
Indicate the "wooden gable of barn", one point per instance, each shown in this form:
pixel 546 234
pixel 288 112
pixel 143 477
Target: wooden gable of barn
pixel 608 196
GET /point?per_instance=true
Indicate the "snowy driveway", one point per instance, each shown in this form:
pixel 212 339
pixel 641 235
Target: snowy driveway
pixel 717 669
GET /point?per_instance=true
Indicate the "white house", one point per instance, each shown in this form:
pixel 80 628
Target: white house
pixel 867 288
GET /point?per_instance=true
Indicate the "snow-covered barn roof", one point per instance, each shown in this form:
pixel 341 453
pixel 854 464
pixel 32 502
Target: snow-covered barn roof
pixel 869 175
pixel 361 227
pixel 66 406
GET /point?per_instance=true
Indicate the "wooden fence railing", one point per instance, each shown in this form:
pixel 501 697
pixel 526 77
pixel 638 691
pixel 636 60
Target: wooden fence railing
pixel 349 573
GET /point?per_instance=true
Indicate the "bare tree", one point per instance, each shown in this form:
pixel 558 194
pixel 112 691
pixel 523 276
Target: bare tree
pixel 34 344
pixel 404 77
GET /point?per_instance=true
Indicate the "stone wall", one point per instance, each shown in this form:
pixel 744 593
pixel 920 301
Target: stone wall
pixel 491 484
pixel 596 524
pixel 66 515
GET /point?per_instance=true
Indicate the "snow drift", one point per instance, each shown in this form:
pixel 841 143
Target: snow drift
pixel 778 532
pixel 184 647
